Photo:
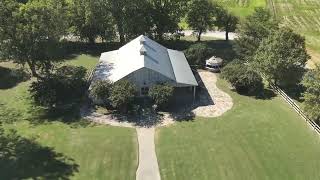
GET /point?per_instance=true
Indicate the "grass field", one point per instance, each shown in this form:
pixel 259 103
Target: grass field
pixel 257 139
pixel 97 152
pixel 242 8
pixel 301 16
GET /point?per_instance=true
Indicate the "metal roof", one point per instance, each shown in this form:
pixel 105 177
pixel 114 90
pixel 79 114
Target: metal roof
pixel 143 52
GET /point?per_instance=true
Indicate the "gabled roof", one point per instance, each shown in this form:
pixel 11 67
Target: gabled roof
pixel 143 52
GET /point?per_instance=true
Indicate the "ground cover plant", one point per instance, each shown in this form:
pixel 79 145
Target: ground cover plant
pixel 257 139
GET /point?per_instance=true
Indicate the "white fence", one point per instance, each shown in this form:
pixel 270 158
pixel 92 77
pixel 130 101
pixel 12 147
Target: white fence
pixel 311 123
pixel 89 74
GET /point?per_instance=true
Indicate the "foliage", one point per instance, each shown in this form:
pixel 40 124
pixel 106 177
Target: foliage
pixel 282 57
pixel 131 17
pixel 122 95
pixel 65 87
pixel 33 34
pixel 89 19
pixel 200 17
pixel 244 79
pixel 311 96
pixel 197 54
pixel 252 31
pixel 166 15
pixel 161 94
pixel 101 90
pixel 226 21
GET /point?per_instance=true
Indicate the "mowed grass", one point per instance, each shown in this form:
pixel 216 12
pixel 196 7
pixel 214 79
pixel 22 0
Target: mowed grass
pixel 304 18
pixel 242 8
pixel 100 152
pixel 257 139
pixel 301 16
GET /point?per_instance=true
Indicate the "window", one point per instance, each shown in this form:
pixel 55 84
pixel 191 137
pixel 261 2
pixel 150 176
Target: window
pixel 144 91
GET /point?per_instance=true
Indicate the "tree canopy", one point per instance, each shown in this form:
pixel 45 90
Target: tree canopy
pixel 33 36
pixel 200 16
pixel 252 31
pixel 282 57
pixel 311 96
pixel 225 21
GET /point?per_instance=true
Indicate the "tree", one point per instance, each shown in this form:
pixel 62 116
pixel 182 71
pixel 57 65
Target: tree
pixel 166 16
pixel 161 94
pixel 198 53
pixel 66 86
pixel 242 78
pixel 122 95
pixel 252 31
pixel 226 21
pixel 33 38
pixel 101 90
pixel 311 81
pixel 90 19
pixel 131 17
pixel 201 16
pixel 281 57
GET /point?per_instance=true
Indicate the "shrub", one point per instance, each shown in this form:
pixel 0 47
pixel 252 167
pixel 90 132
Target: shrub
pixel 311 81
pixel 100 91
pixel 122 95
pixel 198 53
pixel 66 86
pixel 242 78
pixel 161 94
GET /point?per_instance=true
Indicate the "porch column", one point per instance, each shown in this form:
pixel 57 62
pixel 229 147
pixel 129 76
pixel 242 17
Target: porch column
pixel 194 93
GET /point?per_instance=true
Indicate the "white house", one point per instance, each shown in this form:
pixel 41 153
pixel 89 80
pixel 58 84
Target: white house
pixel 145 63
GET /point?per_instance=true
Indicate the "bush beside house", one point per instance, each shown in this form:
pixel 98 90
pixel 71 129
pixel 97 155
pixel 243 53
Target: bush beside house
pixel 242 78
pixel 161 95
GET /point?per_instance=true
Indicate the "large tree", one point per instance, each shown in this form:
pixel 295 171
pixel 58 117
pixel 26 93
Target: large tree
pixel 200 17
pixel 252 31
pixel 311 96
pixel 33 37
pixel 131 17
pixel 282 57
pixel 90 19
pixel 226 21
pixel 166 15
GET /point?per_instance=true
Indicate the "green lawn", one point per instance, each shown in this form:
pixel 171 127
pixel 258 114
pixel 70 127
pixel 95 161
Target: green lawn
pixel 98 152
pixel 301 16
pixel 242 8
pixel 257 139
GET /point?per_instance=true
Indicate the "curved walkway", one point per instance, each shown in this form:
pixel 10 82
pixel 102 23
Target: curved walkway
pixel 216 101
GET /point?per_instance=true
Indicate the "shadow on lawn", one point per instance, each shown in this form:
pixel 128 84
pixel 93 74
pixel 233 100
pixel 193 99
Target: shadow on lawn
pixel 9 78
pixel 22 158
pixel 70 116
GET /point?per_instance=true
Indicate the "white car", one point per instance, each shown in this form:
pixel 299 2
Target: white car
pixel 214 64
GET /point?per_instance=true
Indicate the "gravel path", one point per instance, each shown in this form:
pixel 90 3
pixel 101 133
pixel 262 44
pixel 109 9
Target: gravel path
pixel 148 168
pixel 216 101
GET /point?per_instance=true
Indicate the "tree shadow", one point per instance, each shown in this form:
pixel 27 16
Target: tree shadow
pixel 9 78
pixel 221 48
pixel 70 49
pixel 265 94
pixel 68 115
pixel 22 158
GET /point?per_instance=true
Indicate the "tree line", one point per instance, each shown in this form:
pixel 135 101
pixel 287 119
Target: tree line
pixel 265 49
pixel 30 30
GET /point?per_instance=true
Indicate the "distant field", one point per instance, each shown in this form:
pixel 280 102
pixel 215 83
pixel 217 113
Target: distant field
pixel 304 18
pixel 242 7
pixel 301 16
